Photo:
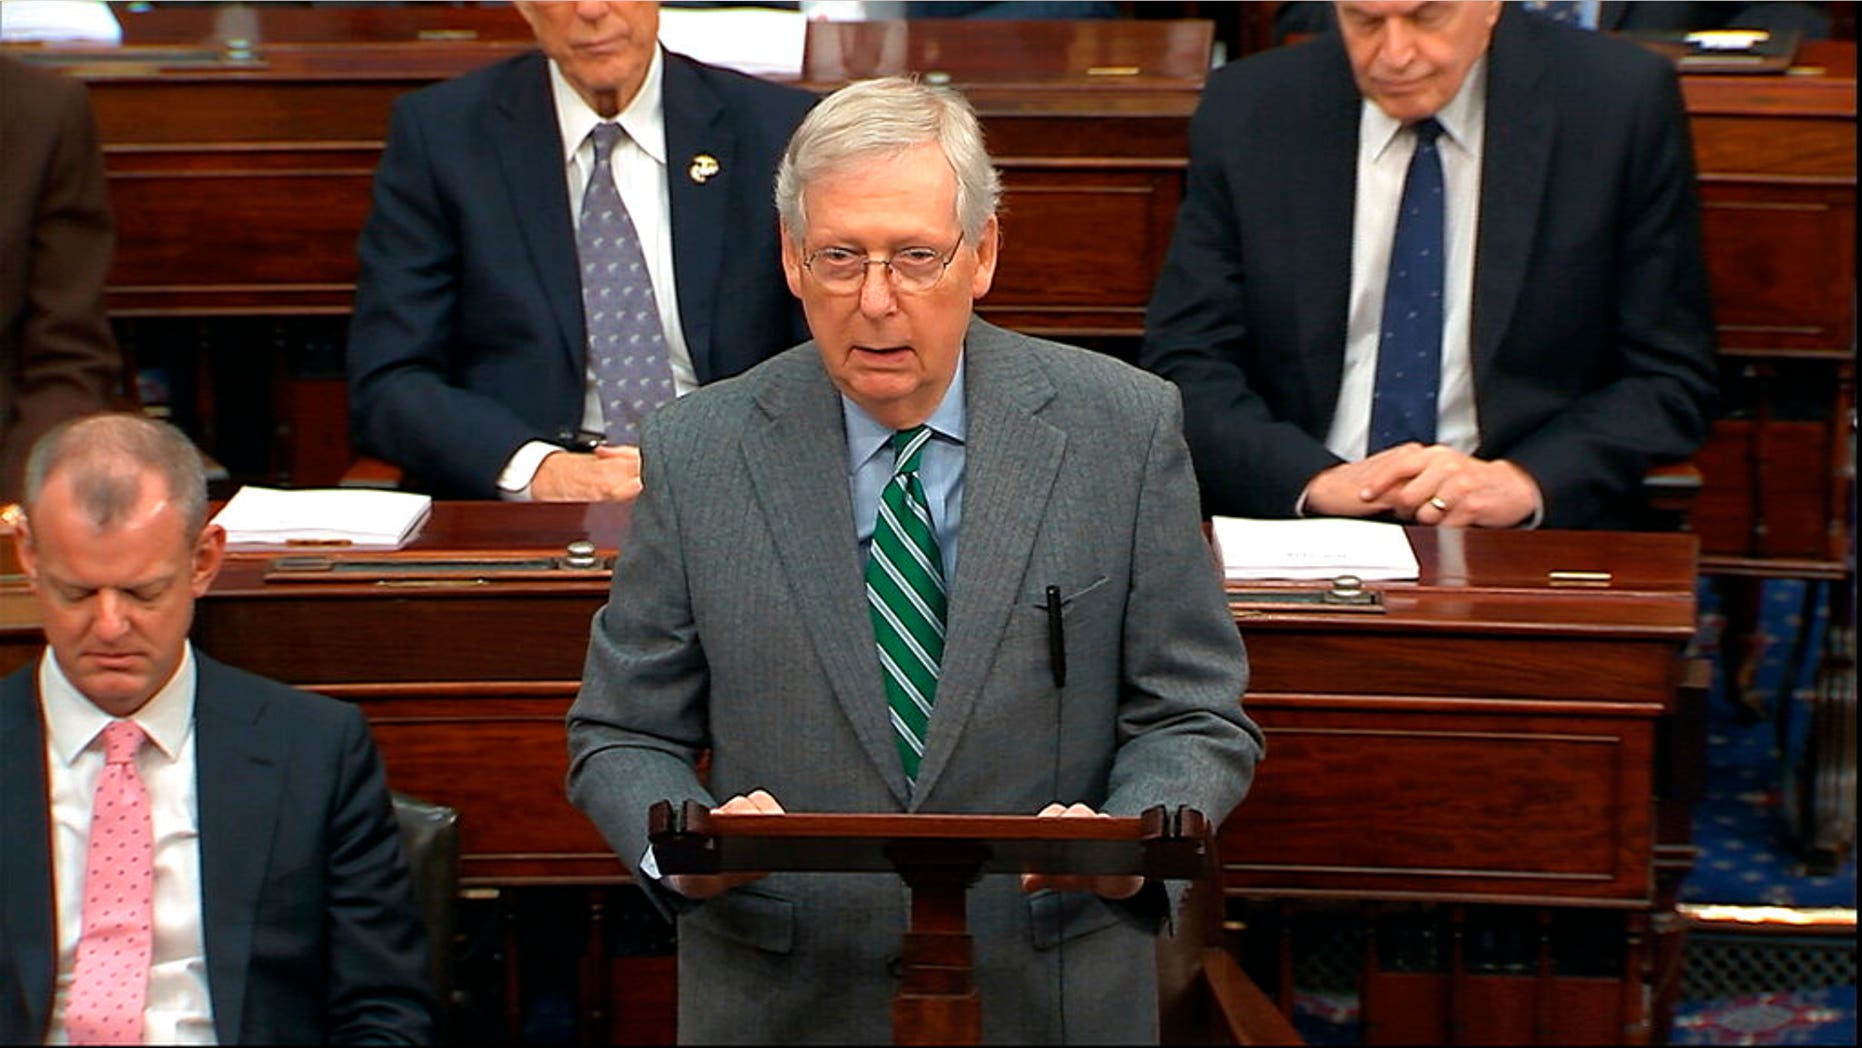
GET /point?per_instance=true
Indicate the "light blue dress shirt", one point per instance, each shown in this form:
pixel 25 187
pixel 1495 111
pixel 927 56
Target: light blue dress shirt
pixel 940 470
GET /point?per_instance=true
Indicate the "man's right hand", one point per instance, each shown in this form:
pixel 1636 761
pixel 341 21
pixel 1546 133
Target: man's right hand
pixel 706 885
pixel 610 474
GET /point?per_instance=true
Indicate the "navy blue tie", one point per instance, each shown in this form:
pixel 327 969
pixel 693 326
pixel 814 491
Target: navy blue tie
pixel 1570 12
pixel 1409 348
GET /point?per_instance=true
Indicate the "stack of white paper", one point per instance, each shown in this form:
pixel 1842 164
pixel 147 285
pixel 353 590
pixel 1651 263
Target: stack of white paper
pixel 753 40
pixel 46 21
pixel 1313 549
pixel 321 516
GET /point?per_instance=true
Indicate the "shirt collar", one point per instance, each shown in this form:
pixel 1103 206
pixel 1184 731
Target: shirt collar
pixel 75 722
pixel 866 436
pixel 644 119
pixel 1461 118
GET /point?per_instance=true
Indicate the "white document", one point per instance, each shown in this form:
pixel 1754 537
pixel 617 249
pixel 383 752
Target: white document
pixel 1323 548
pixel 754 40
pixel 257 516
pixel 64 21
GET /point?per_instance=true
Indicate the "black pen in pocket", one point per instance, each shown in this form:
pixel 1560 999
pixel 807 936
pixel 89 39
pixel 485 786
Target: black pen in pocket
pixel 1056 638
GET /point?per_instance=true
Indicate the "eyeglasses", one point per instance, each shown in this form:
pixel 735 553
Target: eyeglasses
pixel 915 270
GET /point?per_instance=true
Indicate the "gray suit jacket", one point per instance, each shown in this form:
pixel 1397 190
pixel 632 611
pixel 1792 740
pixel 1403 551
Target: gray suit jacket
pixel 738 622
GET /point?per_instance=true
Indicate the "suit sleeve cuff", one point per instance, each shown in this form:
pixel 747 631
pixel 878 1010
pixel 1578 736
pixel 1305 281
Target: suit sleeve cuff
pixel 514 481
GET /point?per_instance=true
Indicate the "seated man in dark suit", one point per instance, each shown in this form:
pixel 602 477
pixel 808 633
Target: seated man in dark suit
pixel 192 854
pixel 57 357
pixel 513 205
pixel 1443 265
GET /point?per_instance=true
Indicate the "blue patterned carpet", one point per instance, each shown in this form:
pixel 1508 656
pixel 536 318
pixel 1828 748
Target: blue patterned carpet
pixel 1826 1016
pixel 1740 826
pixel 1742 833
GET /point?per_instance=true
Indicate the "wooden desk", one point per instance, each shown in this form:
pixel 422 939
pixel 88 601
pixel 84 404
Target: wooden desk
pixel 1777 159
pixel 1487 737
pixel 1572 681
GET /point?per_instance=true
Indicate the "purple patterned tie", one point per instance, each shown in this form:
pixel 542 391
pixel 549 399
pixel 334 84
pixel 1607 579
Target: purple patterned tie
pixel 626 345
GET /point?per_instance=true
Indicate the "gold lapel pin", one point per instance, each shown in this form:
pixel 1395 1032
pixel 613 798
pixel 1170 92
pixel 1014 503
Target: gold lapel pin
pixel 704 165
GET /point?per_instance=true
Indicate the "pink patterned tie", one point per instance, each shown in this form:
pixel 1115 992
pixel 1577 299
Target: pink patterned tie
pixel 112 978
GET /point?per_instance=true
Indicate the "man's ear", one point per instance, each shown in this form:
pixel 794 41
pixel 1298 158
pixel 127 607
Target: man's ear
pixel 986 246
pixel 791 261
pixel 209 555
pixel 22 548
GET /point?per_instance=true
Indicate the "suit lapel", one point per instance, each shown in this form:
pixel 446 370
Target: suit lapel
pixel 240 777
pixel 26 894
pixel 800 480
pixel 695 127
pixel 528 140
pixel 1322 190
pixel 1515 155
pixel 1011 461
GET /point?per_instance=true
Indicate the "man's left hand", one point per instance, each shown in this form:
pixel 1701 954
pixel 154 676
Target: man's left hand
pixel 1438 485
pixel 1113 887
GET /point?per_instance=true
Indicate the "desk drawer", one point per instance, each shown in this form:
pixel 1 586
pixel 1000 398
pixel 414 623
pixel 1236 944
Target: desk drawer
pixel 1366 803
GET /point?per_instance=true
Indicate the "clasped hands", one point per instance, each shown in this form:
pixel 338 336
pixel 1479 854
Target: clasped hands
pixel 759 802
pixel 1426 484
pixel 610 473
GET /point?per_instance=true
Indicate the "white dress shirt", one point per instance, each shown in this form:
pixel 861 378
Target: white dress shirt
pixel 1384 151
pixel 638 164
pixel 178 1009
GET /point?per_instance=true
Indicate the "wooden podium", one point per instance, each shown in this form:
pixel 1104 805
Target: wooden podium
pixel 939 857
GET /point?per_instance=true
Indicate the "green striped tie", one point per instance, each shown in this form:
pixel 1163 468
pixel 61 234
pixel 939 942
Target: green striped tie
pixel 905 590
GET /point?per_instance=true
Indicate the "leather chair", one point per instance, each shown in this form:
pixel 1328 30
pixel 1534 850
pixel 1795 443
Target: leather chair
pixel 430 836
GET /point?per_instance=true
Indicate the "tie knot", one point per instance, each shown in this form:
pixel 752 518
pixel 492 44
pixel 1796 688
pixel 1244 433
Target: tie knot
pixel 907 445
pixel 605 135
pixel 121 740
pixel 1427 131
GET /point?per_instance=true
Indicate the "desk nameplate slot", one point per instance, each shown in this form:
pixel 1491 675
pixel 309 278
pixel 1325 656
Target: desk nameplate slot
pixel 402 571
pixel 1346 593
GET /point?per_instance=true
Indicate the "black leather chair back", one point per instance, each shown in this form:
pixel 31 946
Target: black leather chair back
pixel 430 836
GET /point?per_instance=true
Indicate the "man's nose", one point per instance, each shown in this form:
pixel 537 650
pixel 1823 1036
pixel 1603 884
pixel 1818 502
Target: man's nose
pixel 1399 45
pixel 877 297
pixel 112 614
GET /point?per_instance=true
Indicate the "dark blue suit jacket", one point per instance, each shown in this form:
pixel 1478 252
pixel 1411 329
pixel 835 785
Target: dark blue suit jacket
pixel 312 933
pixel 1592 343
pixel 467 338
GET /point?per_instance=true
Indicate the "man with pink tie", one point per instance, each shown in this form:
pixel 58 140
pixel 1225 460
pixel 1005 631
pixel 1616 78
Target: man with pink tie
pixel 194 855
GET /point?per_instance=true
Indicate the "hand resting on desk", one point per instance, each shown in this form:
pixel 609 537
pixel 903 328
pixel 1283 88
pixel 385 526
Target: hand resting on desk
pixel 1110 887
pixel 610 474
pixel 1415 482
pixel 704 886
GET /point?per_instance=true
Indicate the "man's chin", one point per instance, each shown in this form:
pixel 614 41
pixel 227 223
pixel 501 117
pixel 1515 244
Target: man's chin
pixel 117 691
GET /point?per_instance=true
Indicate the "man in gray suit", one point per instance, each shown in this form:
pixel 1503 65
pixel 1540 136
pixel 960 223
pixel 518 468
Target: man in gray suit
pixel 759 610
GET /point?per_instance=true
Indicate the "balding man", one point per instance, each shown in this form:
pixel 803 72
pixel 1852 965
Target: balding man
pixel 194 855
